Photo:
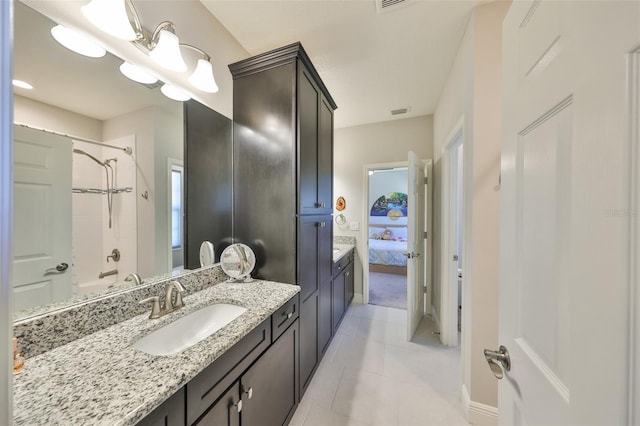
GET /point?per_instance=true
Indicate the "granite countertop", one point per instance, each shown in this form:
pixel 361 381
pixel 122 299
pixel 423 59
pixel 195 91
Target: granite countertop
pixel 340 250
pixel 100 380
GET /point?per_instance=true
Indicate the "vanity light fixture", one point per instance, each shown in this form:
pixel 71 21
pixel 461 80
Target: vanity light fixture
pixel 111 17
pixel 120 19
pixel 22 84
pixel 202 78
pixel 174 92
pixel 77 42
pixel 136 73
pixel 165 48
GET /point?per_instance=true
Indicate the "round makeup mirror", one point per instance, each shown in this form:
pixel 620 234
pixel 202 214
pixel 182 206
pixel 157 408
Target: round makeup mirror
pixel 238 261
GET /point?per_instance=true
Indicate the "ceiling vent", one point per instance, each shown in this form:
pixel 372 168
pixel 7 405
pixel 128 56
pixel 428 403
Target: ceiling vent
pixel 400 111
pixel 383 6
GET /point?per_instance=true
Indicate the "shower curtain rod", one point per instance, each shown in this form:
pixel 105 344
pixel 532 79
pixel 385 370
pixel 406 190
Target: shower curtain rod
pixel 126 149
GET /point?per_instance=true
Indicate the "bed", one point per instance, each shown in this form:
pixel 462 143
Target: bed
pixel 387 248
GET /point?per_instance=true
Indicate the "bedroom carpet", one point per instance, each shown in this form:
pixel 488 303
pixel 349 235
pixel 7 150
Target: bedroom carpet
pixel 388 290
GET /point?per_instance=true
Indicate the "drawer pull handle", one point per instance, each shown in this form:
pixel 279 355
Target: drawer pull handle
pixel 289 315
pixel 238 405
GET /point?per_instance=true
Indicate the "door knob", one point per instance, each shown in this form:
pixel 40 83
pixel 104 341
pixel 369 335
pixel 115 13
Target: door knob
pixel 248 392
pixel 58 269
pixel 501 357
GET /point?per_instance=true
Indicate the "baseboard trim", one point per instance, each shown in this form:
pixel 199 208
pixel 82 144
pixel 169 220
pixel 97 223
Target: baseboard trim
pixel 357 299
pixel 478 413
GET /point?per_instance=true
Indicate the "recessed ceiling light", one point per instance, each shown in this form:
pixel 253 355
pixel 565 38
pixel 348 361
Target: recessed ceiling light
pixel 77 42
pixel 22 84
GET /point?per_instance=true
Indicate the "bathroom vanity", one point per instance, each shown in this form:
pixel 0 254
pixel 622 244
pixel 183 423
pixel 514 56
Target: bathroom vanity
pixel 244 367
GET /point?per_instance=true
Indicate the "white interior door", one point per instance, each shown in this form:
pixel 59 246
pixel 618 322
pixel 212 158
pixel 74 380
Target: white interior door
pixel 415 244
pixel 565 262
pixel 42 218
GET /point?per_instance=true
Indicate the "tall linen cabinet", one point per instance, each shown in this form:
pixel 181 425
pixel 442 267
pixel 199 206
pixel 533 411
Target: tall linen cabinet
pixel 283 180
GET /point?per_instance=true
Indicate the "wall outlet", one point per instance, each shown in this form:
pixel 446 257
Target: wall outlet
pixel 354 226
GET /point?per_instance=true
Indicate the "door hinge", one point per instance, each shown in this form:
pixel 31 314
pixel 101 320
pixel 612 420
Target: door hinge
pixel 426 180
pixel 425 289
pixel 426 234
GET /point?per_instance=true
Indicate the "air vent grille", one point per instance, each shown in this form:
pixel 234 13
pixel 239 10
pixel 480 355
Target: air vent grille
pixel 389 5
pixel 399 111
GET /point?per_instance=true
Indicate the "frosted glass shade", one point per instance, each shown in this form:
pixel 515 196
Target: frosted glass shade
pixel 111 17
pixel 174 92
pixel 202 78
pixel 77 42
pixel 137 73
pixel 167 52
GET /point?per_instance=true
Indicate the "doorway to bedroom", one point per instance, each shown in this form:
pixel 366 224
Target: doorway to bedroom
pixel 387 236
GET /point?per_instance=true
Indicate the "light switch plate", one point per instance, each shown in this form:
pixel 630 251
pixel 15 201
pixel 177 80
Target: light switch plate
pixel 354 226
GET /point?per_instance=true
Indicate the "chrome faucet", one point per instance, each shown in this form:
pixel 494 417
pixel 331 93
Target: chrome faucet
pixel 134 277
pixel 170 304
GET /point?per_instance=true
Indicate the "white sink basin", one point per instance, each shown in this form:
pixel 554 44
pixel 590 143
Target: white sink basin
pixel 188 330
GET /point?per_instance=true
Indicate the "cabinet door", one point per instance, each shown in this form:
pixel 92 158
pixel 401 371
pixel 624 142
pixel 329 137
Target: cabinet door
pixel 325 248
pixel 170 413
pixel 325 330
pixel 269 387
pixel 225 411
pixel 308 340
pixel 308 255
pixel 348 285
pixel 325 156
pixel 338 299
pixel 308 102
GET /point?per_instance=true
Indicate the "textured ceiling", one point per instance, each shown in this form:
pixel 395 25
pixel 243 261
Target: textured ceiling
pixel 371 63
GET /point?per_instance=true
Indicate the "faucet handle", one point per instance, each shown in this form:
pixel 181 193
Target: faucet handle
pixel 155 307
pixel 179 303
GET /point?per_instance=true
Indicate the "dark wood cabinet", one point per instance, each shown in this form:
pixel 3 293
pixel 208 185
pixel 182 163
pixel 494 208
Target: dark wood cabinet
pixel 325 328
pixel 225 411
pixel 337 297
pixel 308 339
pixel 208 175
pixel 169 413
pixel 269 387
pixel 348 285
pixel 283 179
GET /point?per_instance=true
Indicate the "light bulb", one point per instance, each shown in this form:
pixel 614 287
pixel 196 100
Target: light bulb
pixel 77 42
pixel 136 73
pixel 111 17
pixel 174 92
pixel 202 78
pixel 167 52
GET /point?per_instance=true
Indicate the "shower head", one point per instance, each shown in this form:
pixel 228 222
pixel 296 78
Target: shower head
pixel 79 151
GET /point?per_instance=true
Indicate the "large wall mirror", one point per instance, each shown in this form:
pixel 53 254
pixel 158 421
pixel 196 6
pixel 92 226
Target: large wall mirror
pixel 117 204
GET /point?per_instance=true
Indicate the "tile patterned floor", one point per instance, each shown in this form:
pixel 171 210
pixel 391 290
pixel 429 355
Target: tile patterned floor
pixel 371 375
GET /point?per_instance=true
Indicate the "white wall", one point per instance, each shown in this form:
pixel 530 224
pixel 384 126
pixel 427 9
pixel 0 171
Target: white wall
pixel 158 132
pixel 354 147
pixel 47 117
pixel 473 90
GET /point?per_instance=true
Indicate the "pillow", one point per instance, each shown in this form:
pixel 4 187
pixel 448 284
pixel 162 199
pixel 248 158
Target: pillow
pixel 400 234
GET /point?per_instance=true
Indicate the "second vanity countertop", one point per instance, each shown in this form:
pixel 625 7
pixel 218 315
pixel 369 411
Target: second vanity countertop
pixel 101 380
pixel 340 250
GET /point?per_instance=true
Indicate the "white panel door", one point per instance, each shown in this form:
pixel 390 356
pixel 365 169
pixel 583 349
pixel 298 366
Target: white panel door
pixel 42 218
pixel 565 196
pixel 415 244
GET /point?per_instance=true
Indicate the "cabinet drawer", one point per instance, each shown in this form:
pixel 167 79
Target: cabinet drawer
pixel 342 263
pixel 210 384
pixel 284 317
